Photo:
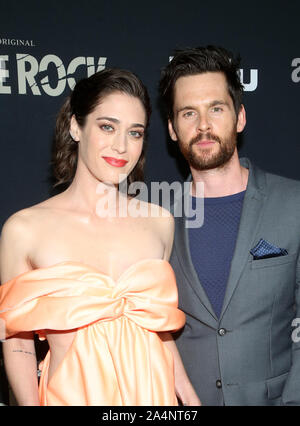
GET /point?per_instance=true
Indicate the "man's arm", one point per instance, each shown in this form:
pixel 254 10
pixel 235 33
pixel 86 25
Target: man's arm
pixel 291 391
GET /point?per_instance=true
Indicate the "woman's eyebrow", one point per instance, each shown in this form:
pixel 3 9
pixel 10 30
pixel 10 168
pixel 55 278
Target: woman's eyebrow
pixel 115 120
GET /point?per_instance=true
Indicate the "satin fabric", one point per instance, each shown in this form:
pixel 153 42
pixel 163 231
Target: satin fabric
pixel 116 357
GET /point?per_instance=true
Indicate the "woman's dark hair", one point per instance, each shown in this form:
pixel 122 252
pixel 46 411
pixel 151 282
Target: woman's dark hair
pixel 200 60
pixel 83 100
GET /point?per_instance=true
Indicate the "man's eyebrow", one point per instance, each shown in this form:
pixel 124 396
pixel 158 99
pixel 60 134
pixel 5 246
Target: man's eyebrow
pixel 210 104
pixel 115 120
pixel 218 102
pixel 185 108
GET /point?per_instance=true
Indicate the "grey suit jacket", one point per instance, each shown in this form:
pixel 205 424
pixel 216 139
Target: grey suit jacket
pixel 247 356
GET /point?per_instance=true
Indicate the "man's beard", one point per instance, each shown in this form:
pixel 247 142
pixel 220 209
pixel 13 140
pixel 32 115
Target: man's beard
pixel 203 159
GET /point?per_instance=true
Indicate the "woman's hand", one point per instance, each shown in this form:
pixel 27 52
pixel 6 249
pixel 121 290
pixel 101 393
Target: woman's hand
pixel 187 395
pixel 183 387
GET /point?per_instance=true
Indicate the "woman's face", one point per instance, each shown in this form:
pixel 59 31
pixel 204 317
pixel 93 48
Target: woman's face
pixel 111 141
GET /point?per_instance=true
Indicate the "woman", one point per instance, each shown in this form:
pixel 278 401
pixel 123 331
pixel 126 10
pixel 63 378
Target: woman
pixel 97 286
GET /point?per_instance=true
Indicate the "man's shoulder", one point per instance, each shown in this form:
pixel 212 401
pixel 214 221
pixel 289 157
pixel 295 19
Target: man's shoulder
pixel 283 183
pixel 270 182
pixel 280 191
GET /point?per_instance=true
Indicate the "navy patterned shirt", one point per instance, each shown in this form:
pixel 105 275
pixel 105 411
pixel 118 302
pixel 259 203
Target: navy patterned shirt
pixel 212 245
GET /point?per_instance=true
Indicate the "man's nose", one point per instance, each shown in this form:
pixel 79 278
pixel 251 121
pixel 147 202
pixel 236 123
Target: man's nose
pixel 203 124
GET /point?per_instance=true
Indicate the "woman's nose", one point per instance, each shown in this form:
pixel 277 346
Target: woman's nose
pixel 120 144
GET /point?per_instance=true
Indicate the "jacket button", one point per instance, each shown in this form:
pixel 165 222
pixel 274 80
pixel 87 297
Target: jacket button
pixel 222 332
pixel 219 384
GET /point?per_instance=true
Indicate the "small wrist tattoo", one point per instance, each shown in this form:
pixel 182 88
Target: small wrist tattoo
pixel 25 352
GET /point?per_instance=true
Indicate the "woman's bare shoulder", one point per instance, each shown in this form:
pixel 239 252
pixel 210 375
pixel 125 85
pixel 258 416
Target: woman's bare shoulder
pixel 18 220
pixel 161 219
pixel 25 220
pixel 152 210
pixel 19 236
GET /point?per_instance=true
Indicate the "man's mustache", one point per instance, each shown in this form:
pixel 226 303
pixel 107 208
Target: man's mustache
pixel 205 136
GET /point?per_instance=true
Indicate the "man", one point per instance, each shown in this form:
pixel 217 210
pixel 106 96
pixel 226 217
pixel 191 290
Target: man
pixel 238 274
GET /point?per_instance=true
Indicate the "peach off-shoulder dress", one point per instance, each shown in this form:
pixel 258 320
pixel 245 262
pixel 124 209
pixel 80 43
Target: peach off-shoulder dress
pixel 116 357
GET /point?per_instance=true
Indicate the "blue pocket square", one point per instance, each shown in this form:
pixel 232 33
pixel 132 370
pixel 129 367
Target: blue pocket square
pixel 263 250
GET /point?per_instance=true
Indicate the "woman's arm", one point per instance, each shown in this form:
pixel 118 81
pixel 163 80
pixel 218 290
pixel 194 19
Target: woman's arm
pixel 183 387
pixel 21 368
pixel 18 351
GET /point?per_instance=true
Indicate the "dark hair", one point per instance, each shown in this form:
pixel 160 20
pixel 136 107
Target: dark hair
pixel 200 60
pixel 83 100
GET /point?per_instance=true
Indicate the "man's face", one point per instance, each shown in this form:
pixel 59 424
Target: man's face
pixel 205 123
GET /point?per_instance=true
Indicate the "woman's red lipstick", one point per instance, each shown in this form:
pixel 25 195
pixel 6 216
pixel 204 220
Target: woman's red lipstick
pixel 115 161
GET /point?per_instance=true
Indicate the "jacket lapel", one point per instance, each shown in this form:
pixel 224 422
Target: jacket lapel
pixel 181 246
pixel 250 219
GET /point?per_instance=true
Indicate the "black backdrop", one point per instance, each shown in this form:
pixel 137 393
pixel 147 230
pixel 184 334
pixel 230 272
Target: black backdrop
pixel 140 36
